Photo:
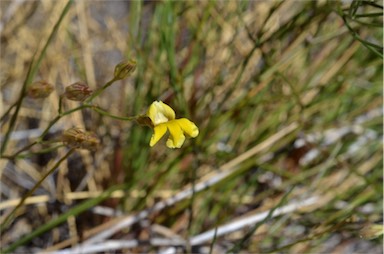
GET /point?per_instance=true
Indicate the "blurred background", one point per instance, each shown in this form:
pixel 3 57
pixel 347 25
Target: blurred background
pixel 287 96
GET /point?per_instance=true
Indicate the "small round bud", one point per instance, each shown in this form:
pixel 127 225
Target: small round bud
pixel 78 91
pixel 124 69
pixel 78 138
pixel 39 89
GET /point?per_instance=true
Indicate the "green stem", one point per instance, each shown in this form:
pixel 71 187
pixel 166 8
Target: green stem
pixel 30 75
pixel 11 215
pixel 45 132
pixel 367 44
pixel 375 14
pixel 27 155
pixel 237 248
pixel 58 117
pixel 60 104
pixel 102 112
pixel 213 241
pixel 62 218
pixel 4 116
pixel 15 114
pixel 21 150
pixel 296 94
pixel 99 91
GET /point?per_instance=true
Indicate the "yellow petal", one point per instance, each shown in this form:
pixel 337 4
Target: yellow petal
pixel 159 112
pixel 176 137
pixel 159 132
pixel 188 127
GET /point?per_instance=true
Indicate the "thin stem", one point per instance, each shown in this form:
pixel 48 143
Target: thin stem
pixel 250 233
pixel 86 205
pixel 21 150
pixel 50 38
pixel 27 155
pixel 58 117
pixel 11 215
pixel 4 116
pixel 213 241
pixel 296 95
pixel 15 114
pixel 60 104
pixel 99 91
pixel 30 75
pixel 375 14
pixel 368 24
pixel 102 112
pixel 367 44
pixel 45 132
pixel 373 4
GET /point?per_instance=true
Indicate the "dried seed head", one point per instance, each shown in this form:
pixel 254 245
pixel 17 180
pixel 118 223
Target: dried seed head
pixel 144 120
pixel 78 138
pixel 39 89
pixel 78 91
pixel 124 69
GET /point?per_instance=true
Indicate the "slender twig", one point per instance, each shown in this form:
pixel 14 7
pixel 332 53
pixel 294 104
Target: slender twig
pixel 63 217
pixel 368 24
pixel 20 151
pixel 58 117
pixel 45 132
pixel 6 113
pixel 248 235
pixel 99 91
pixel 60 104
pixel 27 155
pixel 375 14
pixel 105 113
pixel 15 114
pixel 30 75
pixel 373 4
pixel 11 215
pixel 372 47
pixel 213 241
pixel 190 206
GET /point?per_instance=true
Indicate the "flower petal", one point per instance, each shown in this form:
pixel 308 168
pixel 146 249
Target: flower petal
pixel 159 112
pixel 176 137
pixel 188 127
pixel 159 132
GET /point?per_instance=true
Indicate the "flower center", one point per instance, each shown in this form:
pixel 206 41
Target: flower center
pixel 160 118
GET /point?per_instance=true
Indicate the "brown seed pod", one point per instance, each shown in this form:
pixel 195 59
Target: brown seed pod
pixel 78 138
pixel 39 89
pixel 78 91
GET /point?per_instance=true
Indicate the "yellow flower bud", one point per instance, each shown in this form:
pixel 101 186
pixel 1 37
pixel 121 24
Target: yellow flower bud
pixel 78 138
pixel 124 69
pixel 78 91
pixel 39 89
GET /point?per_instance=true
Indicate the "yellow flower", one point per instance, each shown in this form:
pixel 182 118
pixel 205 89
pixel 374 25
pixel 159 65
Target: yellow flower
pixel 163 119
